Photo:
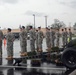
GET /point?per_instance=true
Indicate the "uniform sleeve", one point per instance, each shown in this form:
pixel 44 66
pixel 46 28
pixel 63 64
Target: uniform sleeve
pixel 24 35
pixel 42 34
pixel 34 35
pixel 8 37
pixel 1 34
pixel 47 34
pixel 13 37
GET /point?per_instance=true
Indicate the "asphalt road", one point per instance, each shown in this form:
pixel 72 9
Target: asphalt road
pixel 46 68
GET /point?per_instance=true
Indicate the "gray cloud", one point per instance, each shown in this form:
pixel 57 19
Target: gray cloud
pixel 9 1
pixel 73 3
pixel 70 3
pixel 36 13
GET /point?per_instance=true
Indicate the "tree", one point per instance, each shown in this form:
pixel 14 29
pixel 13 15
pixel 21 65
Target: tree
pixel 58 24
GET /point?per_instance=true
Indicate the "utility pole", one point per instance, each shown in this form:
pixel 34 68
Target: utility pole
pixel 34 20
pixel 45 21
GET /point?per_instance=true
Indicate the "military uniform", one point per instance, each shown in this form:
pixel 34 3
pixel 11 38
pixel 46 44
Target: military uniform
pixel 10 39
pixel 57 38
pixel 63 38
pixel 1 37
pixel 70 36
pixel 32 39
pixel 52 38
pixel 23 41
pixel 66 37
pixel 48 40
pixel 37 40
pixel 40 40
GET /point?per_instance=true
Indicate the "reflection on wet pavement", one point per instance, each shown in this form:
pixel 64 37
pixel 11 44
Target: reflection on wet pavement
pixel 14 71
pixel 10 72
pixel 20 71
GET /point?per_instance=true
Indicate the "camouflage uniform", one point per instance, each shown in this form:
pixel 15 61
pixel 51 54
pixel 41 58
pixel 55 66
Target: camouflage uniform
pixel 37 40
pixel 63 38
pixel 53 38
pixel 10 39
pixel 23 41
pixel 48 39
pixel 1 37
pixel 40 39
pixel 70 36
pixel 57 38
pixel 32 39
pixel 66 37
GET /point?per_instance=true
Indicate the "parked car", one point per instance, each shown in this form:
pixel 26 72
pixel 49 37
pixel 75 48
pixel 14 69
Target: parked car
pixel 16 35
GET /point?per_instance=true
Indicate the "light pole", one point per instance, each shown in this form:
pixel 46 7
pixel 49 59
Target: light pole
pixel 34 20
pixel 45 21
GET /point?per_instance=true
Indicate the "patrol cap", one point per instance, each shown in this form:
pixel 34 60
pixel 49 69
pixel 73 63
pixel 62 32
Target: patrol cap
pixel 31 27
pixel 46 27
pixel 36 29
pixel 9 29
pixel 65 28
pixel 51 27
pixel 57 29
pixel 23 27
pixel 39 27
pixel 62 29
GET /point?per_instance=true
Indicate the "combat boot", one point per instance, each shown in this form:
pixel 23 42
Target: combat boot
pixel 40 51
pixel 23 54
pixel 9 58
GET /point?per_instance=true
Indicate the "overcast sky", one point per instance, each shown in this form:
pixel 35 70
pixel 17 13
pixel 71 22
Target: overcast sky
pixel 16 12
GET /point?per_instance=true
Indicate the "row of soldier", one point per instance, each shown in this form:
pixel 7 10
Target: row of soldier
pixel 52 36
pixel 56 37
pixel 38 36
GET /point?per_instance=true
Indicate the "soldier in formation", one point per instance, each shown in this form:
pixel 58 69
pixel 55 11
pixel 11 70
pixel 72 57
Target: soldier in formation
pixel 52 36
pixel 57 37
pixel 66 36
pixel 36 39
pixel 48 39
pixel 69 35
pixel 1 37
pixel 32 38
pixel 40 39
pixel 23 41
pixel 63 37
pixel 10 40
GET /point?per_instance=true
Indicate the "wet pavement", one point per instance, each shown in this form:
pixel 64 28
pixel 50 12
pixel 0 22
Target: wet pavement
pixel 48 68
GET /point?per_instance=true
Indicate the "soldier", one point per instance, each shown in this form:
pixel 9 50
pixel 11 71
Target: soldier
pixel 23 41
pixel 57 37
pixel 48 39
pixel 70 35
pixel 66 36
pixel 52 34
pixel 36 39
pixel 10 40
pixel 32 39
pixel 63 37
pixel 1 37
pixel 40 39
